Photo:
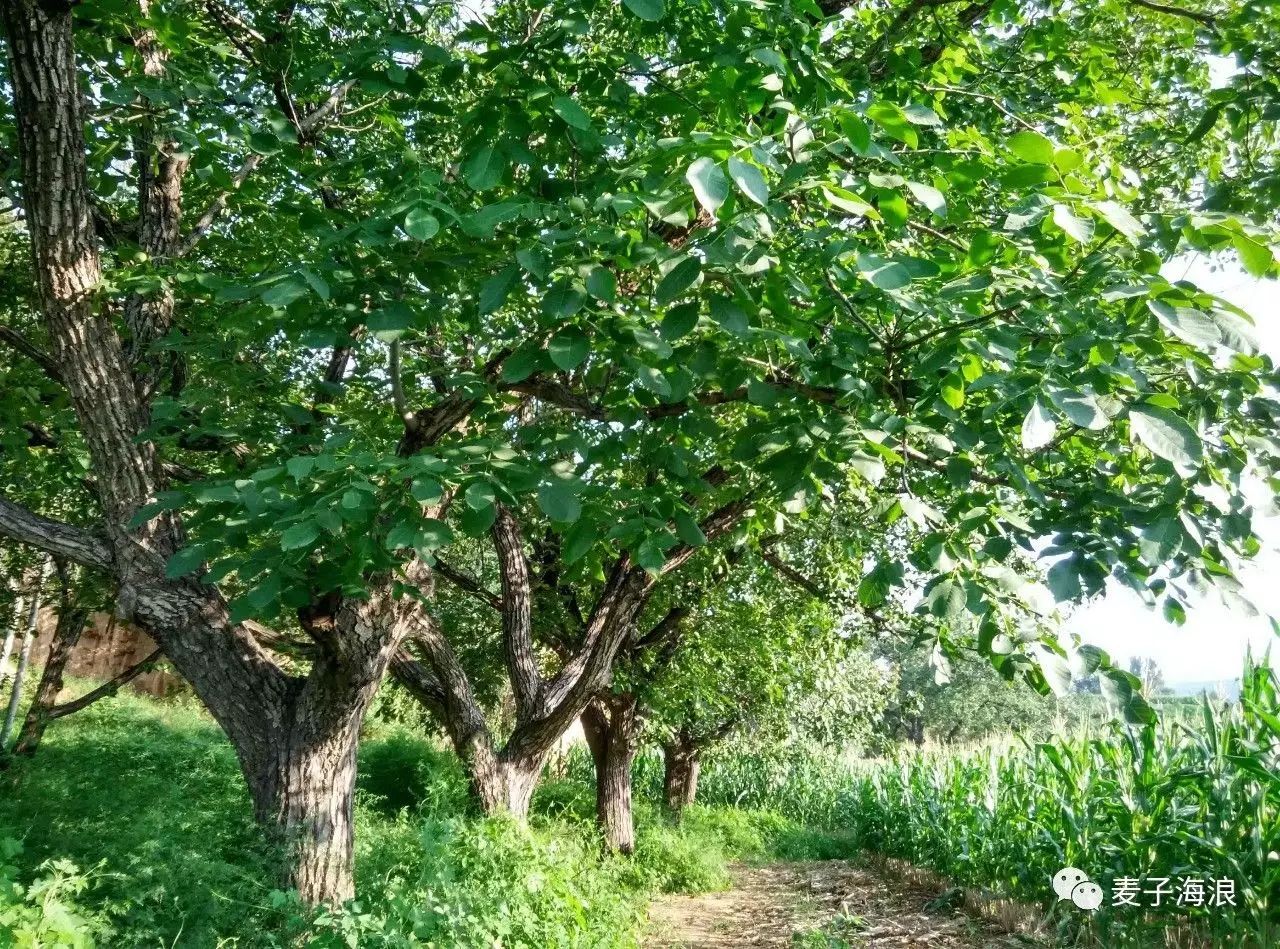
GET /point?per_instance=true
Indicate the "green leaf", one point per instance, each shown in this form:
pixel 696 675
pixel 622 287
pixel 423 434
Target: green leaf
pixel 750 180
pixel 1079 228
pixel 953 389
pixel 476 521
pixel 421 224
pixel 1038 427
pixel 569 348
pixel 433 534
pixel 891 117
pixel 302 534
pixel 562 301
pixel 687 530
pixel 1032 147
pixel 602 284
pixel 1118 216
pixel 426 490
pixel 679 321
pixel 1255 256
pixel 495 290
pixel 559 501
pixel 653 380
pixel 521 364
pixel 184 562
pixel 391 322
pixel 1168 436
pixel 881 273
pixel 710 186
pixel 579 539
pixel 572 113
pixel 678 279
pixel 484 168
pixel 283 293
pixel 929 196
pixel 1080 407
pixel 300 466
pixel 849 202
pixel 729 315
pixel 1187 324
pixel 650 10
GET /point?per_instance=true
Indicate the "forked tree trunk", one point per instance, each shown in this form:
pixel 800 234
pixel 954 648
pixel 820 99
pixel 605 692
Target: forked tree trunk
pixel 612 727
pixel 681 757
pixel 502 786
pixel 71 623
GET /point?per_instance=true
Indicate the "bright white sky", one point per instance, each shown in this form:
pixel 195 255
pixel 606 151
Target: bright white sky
pixel 1212 644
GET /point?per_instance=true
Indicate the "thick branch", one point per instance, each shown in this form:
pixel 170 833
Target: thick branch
pixel 517 612
pixel 53 537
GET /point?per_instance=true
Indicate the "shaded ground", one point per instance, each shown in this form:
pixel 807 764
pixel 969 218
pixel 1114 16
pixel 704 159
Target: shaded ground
pixel 775 905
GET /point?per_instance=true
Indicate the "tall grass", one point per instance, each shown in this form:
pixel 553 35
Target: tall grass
pixel 1188 797
pixel 131 828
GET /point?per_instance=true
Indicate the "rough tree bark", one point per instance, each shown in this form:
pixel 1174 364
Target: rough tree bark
pixel 294 737
pixel 682 760
pixel 611 724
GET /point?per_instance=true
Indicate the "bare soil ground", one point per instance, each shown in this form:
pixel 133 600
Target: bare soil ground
pixel 773 906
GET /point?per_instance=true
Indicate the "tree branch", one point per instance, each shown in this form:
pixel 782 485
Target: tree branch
pixel 42 359
pixel 107 688
pixel 517 612
pixel 53 537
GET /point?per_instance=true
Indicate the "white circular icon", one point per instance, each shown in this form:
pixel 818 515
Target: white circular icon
pixel 1066 880
pixel 1087 895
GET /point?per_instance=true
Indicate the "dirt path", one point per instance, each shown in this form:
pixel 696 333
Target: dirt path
pixel 768 906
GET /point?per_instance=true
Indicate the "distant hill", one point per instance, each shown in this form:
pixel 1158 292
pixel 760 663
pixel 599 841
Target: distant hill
pixel 1230 688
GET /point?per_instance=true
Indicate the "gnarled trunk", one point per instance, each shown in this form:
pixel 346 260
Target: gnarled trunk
pixel 303 797
pixel 681 757
pixel 612 727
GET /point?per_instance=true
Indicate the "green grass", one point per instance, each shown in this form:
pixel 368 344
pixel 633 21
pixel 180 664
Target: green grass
pixel 135 829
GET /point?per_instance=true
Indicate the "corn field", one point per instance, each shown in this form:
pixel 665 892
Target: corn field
pixel 1197 797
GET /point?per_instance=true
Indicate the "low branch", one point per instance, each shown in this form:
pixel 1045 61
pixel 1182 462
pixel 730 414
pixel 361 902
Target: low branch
pixel 37 355
pixel 107 689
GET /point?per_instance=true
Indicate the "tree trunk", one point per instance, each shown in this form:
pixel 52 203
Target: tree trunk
pixel 294 737
pixel 303 797
pixel 612 727
pixel 24 658
pixel 504 786
pixel 71 623
pixel 10 634
pixel 681 757
pixel 15 697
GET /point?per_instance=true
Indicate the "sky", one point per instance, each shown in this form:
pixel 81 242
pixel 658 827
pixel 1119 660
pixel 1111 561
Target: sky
pixel 1211 646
